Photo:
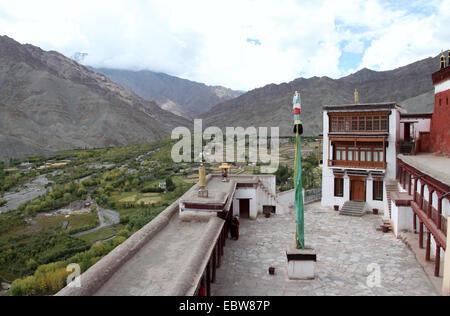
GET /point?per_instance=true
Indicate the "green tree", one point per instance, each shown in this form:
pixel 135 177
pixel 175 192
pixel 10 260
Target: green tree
pixel 170 185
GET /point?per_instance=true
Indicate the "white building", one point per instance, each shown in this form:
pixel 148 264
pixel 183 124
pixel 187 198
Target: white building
pixel 359 153
pixel 246 196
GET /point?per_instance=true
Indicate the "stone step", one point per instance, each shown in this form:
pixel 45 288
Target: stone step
pixel 351 214
pixel 352 208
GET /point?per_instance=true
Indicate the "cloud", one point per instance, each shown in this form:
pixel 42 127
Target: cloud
pixel 355 46
pixel 239 44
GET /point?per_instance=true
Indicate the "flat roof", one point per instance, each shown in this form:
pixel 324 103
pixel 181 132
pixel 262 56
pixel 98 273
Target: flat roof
pixel 218 190
pixel 156 268
pixel 160 259
pixel 437 167
pixel 416 115
pixel 362 106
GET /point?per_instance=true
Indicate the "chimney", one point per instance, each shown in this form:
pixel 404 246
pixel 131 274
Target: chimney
pixel 443 61
pixel 202 191
pixel 356 96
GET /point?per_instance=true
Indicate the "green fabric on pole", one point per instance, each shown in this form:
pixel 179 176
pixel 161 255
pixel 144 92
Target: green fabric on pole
pixel 300 235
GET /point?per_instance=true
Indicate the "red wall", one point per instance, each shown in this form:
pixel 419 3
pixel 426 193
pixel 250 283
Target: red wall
pixel 440 124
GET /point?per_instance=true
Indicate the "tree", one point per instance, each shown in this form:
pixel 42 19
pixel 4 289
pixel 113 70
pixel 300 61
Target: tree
pixel 170 185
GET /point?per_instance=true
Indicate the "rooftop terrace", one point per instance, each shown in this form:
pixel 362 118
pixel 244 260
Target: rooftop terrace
pixel 437 167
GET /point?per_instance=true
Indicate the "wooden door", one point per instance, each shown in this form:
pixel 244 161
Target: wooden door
pixel 358 190
pixel 244 208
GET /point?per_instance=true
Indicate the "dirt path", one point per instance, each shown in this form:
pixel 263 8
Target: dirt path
pixel 106 218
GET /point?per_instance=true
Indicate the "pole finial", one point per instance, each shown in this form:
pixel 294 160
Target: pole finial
pixel 443 61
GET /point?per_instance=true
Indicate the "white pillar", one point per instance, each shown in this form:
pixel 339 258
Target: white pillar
pixel 446 280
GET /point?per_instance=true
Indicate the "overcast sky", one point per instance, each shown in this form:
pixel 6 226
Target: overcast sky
pixel 242 44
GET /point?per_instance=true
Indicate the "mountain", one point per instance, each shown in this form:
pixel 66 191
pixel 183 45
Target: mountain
pixel 49 102
pixel 410 86
pixel 179 96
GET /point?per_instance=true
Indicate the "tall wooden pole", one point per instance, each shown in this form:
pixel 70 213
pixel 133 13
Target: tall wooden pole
pixel 299 207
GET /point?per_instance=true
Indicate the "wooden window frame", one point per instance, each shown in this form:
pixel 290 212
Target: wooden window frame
pixel 377 190
pixel 338 186
pixel 358 150
pixel 359 122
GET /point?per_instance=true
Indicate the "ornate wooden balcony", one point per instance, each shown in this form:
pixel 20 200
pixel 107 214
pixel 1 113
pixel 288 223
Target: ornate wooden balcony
pixel 357 164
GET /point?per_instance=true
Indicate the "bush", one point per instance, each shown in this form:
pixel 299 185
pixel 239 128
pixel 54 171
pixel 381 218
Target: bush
pixel 3 202
pixel 151 189
pixel 170 185
pixel 50 278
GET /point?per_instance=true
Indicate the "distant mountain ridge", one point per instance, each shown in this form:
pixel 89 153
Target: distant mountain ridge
pixel 410 86
pixel 49 102
pixel 179 96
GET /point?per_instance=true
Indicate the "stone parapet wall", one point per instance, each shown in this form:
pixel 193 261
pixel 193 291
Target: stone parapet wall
pixel 102 271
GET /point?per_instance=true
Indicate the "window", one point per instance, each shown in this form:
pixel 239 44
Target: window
pixel 359 122
pixel 369 124
pixel 376 123
pixel 384 124
pixel 362 156
pixel 334 124
pixel 378 190
pixel 354 123
pixel 339 187
pixel 362 123
pixel 341 124
pixel 368 155
pixel 347 124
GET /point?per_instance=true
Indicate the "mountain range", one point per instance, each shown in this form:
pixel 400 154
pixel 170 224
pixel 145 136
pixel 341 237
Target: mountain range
pixel 180 96
pixel 49 102
pixel 410 86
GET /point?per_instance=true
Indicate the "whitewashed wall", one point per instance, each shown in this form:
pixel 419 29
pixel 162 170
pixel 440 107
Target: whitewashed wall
pixel 420 125
pixel 401 218
pixel 328 198
pixel 245 193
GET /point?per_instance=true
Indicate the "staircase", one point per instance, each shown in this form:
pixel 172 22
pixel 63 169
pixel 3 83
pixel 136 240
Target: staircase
pixel 263 187
pixel 391 187
pixel 271 195
pixel 352 208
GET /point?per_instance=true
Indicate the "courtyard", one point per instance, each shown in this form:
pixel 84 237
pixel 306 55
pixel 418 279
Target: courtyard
pixel 349 253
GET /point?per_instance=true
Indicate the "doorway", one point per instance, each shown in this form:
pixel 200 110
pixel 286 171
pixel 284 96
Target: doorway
pixel 244 208
pixel 358 190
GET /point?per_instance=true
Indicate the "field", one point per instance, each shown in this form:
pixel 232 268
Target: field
pixel 31 239
pixel 124 180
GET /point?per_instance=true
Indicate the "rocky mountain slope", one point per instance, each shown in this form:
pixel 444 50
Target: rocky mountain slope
pixel 179 96
pixel 49 102
pixel 410 86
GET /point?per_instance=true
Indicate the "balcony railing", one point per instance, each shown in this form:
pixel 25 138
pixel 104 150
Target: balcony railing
pixel 357 164
pixel 423 205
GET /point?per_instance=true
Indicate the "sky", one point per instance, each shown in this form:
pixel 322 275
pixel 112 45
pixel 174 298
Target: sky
pixel 239 44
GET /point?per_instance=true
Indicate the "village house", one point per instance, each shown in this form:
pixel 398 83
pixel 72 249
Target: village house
pixel 359 155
